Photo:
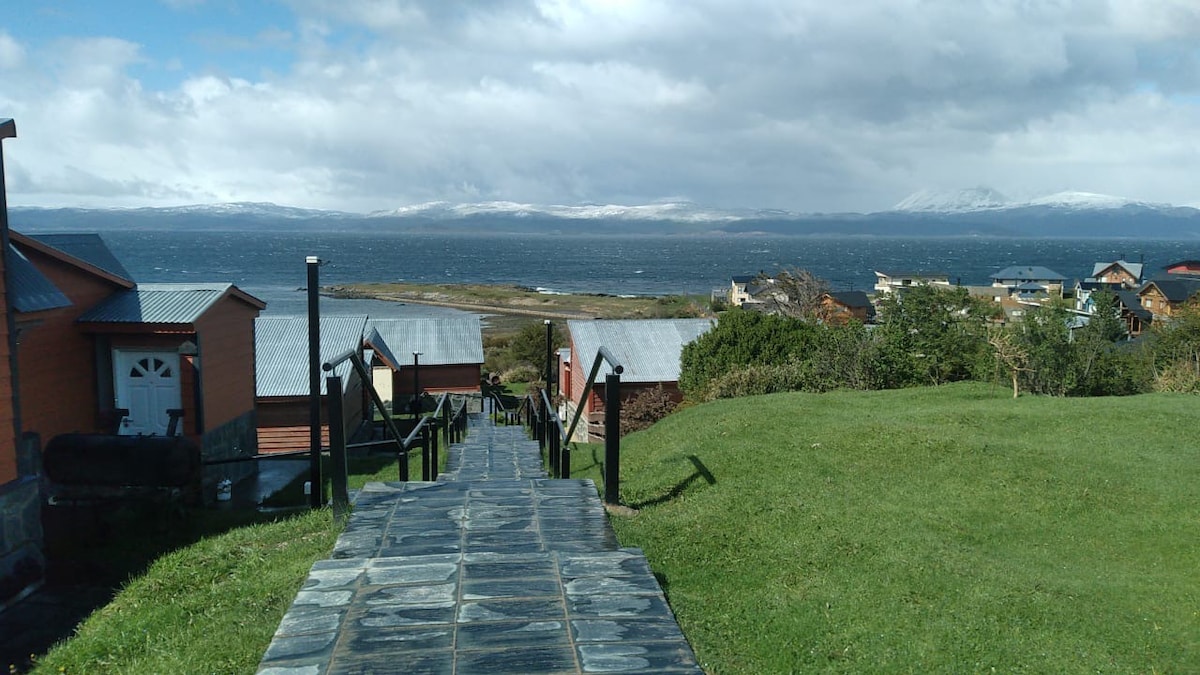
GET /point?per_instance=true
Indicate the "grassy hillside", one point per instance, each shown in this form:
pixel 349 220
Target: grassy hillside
pixel 943 529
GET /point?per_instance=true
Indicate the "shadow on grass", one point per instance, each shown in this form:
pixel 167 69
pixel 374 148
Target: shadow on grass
pixel 701 473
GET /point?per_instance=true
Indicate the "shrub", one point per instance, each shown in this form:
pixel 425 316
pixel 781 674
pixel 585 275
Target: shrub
pixel 645 408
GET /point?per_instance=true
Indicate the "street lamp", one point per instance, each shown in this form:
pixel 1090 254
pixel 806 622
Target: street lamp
pixel 416 400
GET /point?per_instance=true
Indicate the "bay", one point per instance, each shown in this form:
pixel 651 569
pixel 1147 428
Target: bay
pixel 271 265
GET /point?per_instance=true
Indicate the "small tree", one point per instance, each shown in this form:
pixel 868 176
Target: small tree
pixel 793 292
pixel 1011 355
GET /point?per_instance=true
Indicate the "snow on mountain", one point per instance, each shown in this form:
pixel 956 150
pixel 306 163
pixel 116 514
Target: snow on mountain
pixel 1084 200
pixel 675 211
pixel 953 201
pixel 986 199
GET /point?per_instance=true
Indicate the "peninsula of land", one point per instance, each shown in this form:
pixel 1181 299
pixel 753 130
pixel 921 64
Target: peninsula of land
pixel 527 302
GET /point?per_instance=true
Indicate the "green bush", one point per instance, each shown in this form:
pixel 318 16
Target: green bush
pixel 645 408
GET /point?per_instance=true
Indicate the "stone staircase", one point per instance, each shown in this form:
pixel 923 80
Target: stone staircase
pixel 494 568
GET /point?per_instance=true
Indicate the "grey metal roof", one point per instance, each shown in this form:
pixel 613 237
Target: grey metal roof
pixel 1028 273
pixel 89 248
pixel 853 299
pixel 157 303
pixel 649 349
pixel 31 291
pixel 1176 290
pixel 911 274
pixel 1133 268
pixel 281 351
pixel 442 341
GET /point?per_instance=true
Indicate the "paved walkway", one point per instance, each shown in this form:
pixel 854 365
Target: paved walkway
pixel 492 569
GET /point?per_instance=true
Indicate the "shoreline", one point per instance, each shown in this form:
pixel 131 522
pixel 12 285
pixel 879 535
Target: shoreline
pixel 506 300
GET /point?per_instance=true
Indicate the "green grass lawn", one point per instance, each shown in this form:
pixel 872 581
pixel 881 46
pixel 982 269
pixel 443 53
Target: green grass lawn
pixel 946 529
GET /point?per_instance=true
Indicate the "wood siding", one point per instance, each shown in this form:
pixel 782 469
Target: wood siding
pixel 56 361
pixel 226 340
pixel 437 379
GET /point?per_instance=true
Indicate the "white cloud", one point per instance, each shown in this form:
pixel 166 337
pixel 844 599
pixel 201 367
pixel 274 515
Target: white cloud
pixel 804 105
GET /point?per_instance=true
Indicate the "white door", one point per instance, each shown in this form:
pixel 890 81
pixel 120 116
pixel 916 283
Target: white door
pixel 147 385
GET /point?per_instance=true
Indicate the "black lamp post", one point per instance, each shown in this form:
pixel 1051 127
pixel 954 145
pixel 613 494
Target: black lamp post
pixel 416 400
pixel 316 489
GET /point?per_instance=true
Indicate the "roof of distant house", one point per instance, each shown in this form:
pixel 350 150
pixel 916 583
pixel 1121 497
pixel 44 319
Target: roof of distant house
pixel 1176 288
pixel 1134 269
pixel 1028 273
pixel 853 299
pixel 281 351
pixel 1187 264
pixel 440 341
pixel 744 278
pixel 910 274
pixel 164 303
pixel 1132 304
pixel 648 349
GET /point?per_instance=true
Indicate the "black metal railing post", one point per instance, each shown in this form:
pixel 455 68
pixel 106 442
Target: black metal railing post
pixel 549 347
pixel 337 450
pixel 612 438
pixel 433 449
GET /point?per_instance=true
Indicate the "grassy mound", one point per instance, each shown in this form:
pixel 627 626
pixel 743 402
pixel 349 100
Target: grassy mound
pixel 943 529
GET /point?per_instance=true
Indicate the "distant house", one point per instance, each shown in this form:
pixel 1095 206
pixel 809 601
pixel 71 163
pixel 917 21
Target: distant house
pixel 282 379
pixel 1017 280
pixel 1135 316
pixel 889 281
pixel 746 290
pixel 648 349
pixel 1124 273
pixel 1186 267
pixel 1163 296
pixel 1084 290
pixel 450 356
pixel 843 306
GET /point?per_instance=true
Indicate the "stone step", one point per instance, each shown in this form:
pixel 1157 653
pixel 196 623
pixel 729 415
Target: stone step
pixel 493 568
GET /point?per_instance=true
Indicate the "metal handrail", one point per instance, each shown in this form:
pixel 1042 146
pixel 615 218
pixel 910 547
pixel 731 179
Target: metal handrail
pixel 601 355
pixel 560 442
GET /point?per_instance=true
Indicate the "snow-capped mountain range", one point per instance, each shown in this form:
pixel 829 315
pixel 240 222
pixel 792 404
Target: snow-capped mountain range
pixel 987 199
pixel 975 211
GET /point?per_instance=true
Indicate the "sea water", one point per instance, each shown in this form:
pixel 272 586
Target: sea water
pixel 271 265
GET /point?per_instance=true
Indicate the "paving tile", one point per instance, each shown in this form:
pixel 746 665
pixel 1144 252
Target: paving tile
pixel 518 661
pixel 494 568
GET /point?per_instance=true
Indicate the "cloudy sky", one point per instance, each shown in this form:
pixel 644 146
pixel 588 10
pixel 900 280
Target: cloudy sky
pixel 804 105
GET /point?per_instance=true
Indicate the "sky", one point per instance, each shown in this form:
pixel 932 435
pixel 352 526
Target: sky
pixel 801 105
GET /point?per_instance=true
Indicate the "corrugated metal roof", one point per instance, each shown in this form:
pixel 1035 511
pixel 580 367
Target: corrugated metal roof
pixel 157 303
pixel 649 349
pixel 89 248
pixel 443 341
pixel 1135 269
pixel 1028 273
pixel 31 291
pixel 281 351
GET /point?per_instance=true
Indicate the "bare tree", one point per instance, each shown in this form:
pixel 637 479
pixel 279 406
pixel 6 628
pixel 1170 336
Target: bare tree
pixel 792 292
pixel 1010 353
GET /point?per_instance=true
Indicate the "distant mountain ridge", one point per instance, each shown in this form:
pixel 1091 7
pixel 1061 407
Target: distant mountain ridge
pixel 973 212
